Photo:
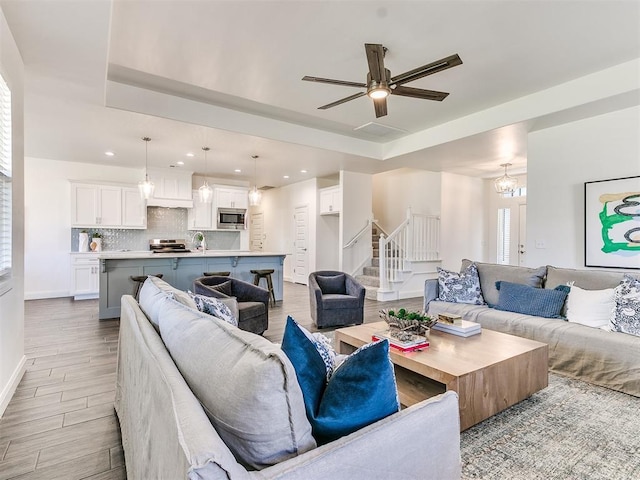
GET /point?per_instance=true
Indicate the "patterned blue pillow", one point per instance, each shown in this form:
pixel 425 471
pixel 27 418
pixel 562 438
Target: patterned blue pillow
pixel 214 307
pixel 461 287
pixel 626 316
pixel 540 302
pixel 361 391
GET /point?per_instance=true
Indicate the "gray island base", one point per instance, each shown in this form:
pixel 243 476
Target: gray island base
pixel 180 270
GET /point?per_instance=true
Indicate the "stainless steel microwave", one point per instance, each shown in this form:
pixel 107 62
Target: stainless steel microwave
pixel 232 218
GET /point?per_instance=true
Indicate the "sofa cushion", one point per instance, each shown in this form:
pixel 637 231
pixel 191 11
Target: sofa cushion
pixel 251 309
pixel 216 307
pixel 153 292
pixel 463 287
pixel 336 301
pixel 360 391
pixel 592 308
pixel 225 288
pixel 538 302
pixel 331 284
pixel 586 279
pixel 626 316
pixel 491 273
pixel 246 384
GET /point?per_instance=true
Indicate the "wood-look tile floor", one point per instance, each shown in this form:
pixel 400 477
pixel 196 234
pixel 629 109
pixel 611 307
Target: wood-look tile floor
pixel 61 424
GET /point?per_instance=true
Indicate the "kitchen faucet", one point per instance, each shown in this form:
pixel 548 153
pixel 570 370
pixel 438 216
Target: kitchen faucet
pixel 200 237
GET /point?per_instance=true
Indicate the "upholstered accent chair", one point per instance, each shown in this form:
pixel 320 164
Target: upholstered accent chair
pixel 336 298
pixel 253 301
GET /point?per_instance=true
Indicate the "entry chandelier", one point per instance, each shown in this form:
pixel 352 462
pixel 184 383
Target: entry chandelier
pixel 255 195
pixel 205 192
pixel 146 186
pixel 505 183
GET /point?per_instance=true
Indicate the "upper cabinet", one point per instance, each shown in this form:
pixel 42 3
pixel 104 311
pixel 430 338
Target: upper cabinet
pixel 106 206
pixel 172 188
pixel 200 217
pixel 330 200
pixel 231 197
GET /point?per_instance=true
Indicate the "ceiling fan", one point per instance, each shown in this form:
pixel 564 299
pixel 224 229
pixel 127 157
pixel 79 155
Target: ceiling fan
pixel 380 84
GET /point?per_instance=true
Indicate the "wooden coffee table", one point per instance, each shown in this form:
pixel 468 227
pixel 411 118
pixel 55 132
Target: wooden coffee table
pixel 490 371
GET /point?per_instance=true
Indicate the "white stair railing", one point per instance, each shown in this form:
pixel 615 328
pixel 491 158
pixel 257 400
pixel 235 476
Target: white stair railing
pixel 417 238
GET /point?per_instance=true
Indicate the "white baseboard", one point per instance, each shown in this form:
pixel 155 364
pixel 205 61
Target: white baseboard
pixel 12 384
pixel 46 294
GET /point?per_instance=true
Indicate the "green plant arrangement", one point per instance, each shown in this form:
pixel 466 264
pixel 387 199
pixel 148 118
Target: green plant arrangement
pixel 405 324
pixel 96 235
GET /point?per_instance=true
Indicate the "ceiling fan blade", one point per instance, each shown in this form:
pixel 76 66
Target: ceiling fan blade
pixel 425 70
pixel 419 93
pixel 375 58
pixel 380 104
pixel 344 100
pixel 334 82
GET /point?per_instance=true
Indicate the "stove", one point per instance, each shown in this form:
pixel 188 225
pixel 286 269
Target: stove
pixel 162 245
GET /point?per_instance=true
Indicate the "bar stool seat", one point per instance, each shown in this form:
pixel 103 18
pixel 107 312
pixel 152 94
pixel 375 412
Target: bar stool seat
pixel 216 274
pixel 138 280
pixel 266 274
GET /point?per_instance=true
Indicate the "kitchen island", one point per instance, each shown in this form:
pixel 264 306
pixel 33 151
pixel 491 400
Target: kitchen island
pixel 179 270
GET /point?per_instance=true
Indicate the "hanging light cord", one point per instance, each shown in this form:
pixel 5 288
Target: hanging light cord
pixel 146 157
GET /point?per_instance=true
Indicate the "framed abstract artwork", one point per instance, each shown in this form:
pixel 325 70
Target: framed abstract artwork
pixel 612 223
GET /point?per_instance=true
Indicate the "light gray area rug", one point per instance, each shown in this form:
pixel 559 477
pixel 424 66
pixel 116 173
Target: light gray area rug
pixel 569 430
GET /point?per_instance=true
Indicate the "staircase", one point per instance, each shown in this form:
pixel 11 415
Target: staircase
pixel 410 256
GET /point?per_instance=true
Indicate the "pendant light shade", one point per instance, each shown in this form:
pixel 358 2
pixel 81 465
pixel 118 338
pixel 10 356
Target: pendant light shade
pixel 205 192
pixel 146 186
pixel 255 195
pixel 505 183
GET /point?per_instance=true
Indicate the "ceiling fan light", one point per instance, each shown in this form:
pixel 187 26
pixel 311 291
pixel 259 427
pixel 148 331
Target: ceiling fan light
pixel 505 183
pixel 255 197
pixel 378 92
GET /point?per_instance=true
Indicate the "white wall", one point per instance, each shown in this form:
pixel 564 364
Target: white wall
pixel 396 190
pixel 357 192
pixel 48 220
pixel 560 160
pixel 462 220
pixel 12 357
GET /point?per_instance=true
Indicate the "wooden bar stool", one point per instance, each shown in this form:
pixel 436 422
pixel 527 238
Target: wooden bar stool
pixel 266 274
pixel 138 280
pixel 216 274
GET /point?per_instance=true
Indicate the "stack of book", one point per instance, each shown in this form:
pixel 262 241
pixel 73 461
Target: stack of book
pixel 463 329
pixel 418 343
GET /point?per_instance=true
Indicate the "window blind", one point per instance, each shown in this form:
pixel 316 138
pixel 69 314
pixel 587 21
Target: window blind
pixel 504 235
pixel 5 181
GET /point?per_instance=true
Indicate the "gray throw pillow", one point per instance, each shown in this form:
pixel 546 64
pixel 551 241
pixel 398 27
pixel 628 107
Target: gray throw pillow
pixel 334 284
pixel 247 386
pixel 154 290
pixel 224 288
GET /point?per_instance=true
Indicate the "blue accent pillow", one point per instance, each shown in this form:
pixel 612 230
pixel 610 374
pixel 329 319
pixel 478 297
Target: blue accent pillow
pixel 361 390
pixel 540 302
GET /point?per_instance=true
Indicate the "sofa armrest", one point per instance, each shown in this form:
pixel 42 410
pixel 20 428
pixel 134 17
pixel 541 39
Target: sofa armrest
pixel 247 292
pixel 202 289
pixel 420 442
pixel 430 292
pixel 353 288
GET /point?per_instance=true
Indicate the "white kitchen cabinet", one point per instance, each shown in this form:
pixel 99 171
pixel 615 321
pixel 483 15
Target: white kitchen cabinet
pixel 172 188
pixel 134 208
pixel 330 200
pixel 96 205
pixel 200 217
pixel 231 197
pixel 85 276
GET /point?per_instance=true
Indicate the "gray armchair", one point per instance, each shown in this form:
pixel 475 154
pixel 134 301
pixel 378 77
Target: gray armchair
pixel 336 299
pixel 253 301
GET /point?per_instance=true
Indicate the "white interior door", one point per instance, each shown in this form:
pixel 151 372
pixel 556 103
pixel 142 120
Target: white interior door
pixel 300 244
pixel 522 235
pixel 257 232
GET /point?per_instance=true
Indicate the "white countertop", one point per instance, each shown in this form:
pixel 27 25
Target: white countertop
pixel 120 255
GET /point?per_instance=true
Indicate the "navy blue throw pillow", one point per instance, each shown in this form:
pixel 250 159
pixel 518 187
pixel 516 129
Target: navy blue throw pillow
pixel 361 390
pixel 540 302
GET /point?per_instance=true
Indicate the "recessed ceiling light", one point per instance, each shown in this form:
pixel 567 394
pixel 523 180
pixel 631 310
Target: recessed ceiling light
pixel 237 170
pixel 303 171
pixel 180 162
pixel 189 154
pixel 109 154
pixel 285 176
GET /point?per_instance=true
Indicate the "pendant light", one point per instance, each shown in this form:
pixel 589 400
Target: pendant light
pixel 255 195
pixel 146 187
pixel 205 192
pixel 505 183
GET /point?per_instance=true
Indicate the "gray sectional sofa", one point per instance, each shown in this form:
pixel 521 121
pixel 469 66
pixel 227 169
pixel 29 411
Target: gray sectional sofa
pixel 609 359
pixel 167 415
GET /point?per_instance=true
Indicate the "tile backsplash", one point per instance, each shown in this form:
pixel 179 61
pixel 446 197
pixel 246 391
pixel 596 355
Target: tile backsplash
pixel 161 223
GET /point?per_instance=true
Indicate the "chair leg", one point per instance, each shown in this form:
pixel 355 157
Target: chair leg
pixel 270 287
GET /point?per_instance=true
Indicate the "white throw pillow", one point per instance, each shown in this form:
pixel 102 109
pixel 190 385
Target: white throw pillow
pixel 592 308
